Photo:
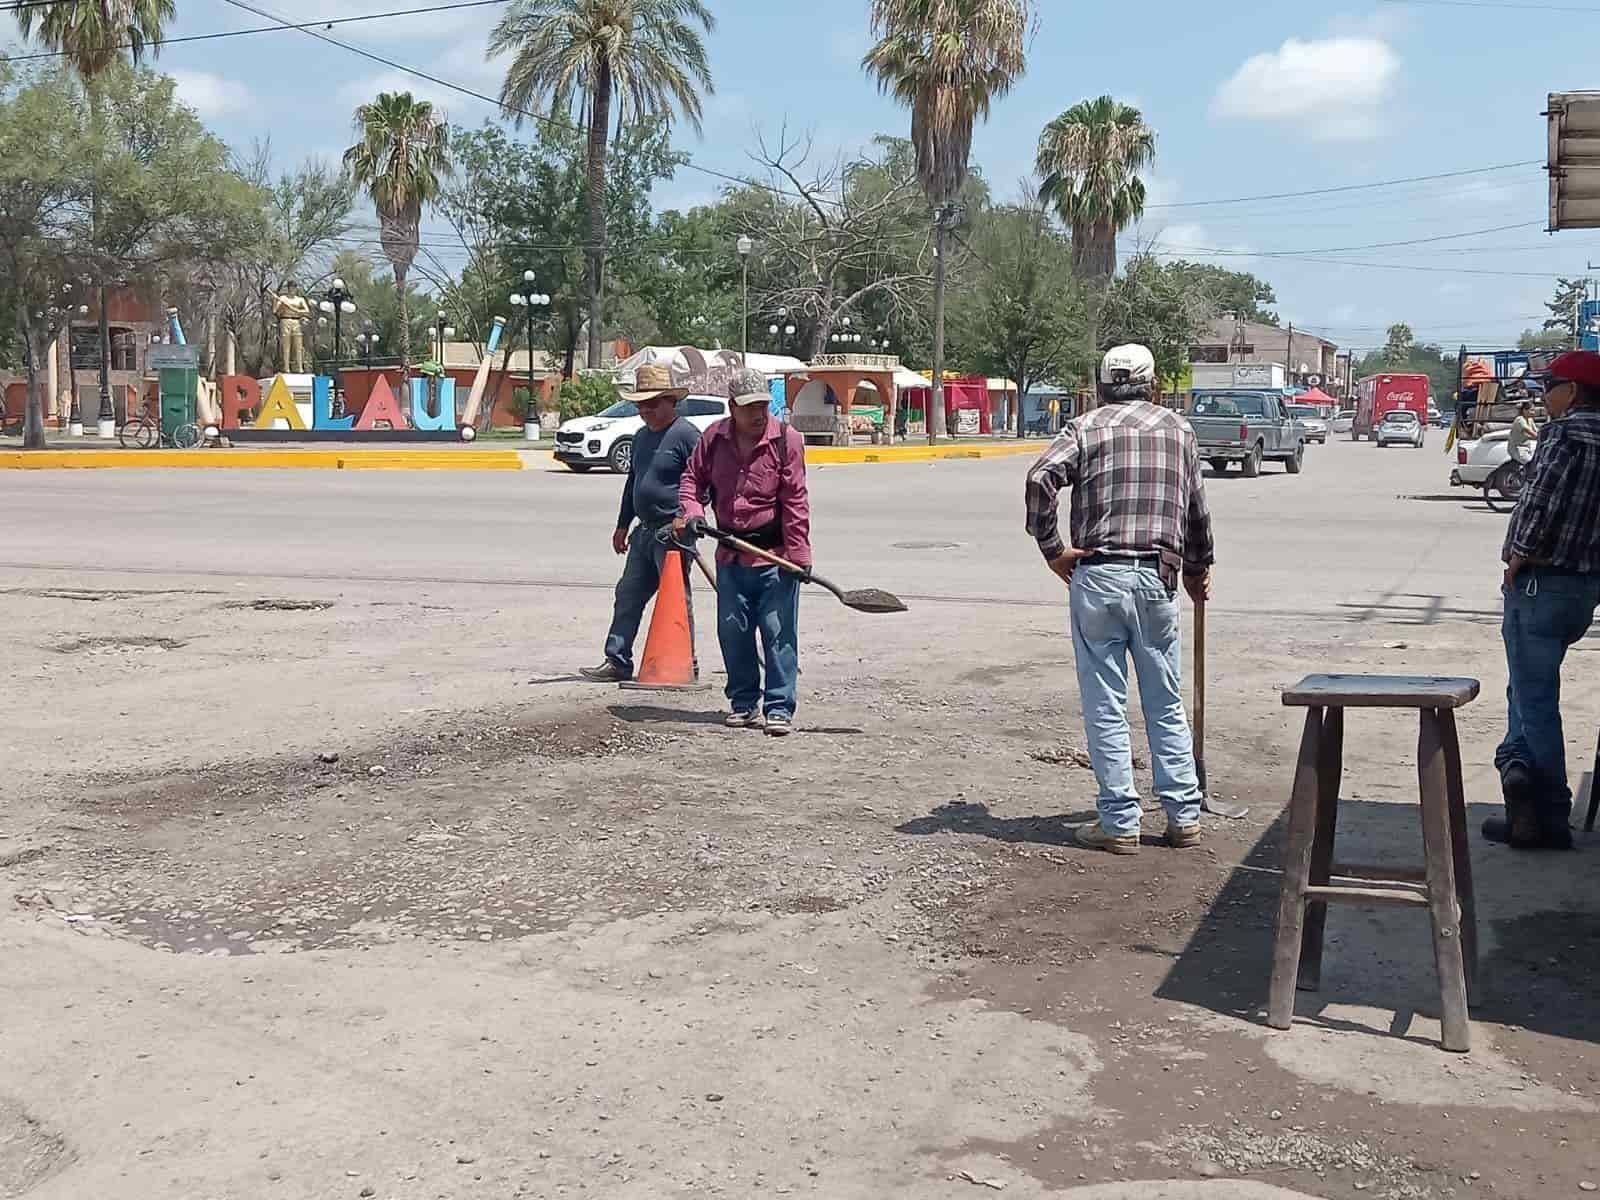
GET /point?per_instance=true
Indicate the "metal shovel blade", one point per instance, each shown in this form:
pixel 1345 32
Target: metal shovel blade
pixel 873 600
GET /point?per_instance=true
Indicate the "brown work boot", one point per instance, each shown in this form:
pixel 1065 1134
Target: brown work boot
pixel 1181 837
pixel 1095 837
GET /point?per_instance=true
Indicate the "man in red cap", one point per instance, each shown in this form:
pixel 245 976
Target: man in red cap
pixel 1552 586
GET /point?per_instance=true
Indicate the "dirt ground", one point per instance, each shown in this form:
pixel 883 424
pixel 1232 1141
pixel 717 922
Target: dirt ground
pixel 326 878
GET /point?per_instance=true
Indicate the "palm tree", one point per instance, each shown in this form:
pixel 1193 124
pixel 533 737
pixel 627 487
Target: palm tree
pixel 948 61
pixel 402 159
pixel 646 57
pixel 1089 159
pixel 92 36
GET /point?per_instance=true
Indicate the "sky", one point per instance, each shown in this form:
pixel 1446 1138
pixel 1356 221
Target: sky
pixel 1247 99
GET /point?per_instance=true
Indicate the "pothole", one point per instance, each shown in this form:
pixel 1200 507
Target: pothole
pixel 29 1153
pixel 118 645
pixel 926 546
pixel 270 604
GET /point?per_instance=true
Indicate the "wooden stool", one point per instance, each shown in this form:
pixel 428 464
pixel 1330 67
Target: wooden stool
pixel 1311 879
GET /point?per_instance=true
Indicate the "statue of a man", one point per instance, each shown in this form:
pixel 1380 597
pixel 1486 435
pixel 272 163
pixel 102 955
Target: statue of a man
pixel 291 309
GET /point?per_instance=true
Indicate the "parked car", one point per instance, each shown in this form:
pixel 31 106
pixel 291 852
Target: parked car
pixel 1476 461
pixel 1402 426
pixel 1247 428
pixel 1313 427
pixel 1343 420
pixel 606 439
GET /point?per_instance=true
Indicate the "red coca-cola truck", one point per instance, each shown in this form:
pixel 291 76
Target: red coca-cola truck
pixel 1377 395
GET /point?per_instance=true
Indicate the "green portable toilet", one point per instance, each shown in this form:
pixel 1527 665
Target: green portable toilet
pixel 178 369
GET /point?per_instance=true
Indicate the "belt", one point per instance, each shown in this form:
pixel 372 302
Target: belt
pixel 1153 561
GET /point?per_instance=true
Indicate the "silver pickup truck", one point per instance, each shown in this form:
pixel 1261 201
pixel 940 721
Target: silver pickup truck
pixel 1247 428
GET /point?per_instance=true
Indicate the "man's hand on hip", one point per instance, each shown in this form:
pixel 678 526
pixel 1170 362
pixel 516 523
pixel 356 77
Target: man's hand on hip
pixel 1066 562
pixel 619 541
pixel 1198 586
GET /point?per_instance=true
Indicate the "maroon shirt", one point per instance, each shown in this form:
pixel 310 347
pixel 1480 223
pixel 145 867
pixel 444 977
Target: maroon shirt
pixel 751 491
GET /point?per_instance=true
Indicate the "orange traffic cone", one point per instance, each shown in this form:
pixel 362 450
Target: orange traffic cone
pixel 668 662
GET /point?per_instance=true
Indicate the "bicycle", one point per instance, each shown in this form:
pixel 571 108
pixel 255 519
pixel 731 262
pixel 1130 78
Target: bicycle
pixel 143 432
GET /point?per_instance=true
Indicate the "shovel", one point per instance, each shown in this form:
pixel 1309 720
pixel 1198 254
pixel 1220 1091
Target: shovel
pixel 867 600
pixel 1218 808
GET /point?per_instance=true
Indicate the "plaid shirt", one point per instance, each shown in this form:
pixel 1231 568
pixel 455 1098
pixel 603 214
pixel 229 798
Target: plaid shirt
pixel 1557 521
pixel 1134 470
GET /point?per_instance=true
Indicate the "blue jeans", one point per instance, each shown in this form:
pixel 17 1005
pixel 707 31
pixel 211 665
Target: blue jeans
pixel 1120 612
pixel 641 576
pixel 1545 613
pixel 764 599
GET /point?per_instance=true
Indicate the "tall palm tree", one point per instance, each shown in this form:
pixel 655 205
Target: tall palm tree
pixel 645 57
pixel 948 61
pixel 92 35
pixel 1089 159
pixel 402 159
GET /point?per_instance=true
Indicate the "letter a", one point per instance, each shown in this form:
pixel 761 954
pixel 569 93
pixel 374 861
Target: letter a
pixel 381 406
pixel 279 406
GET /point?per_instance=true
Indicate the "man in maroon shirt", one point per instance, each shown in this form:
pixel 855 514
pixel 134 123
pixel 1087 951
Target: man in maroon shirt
pixel 753 470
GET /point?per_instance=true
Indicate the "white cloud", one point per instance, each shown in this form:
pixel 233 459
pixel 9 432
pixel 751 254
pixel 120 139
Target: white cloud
pixel 1334 89
pixel 211 95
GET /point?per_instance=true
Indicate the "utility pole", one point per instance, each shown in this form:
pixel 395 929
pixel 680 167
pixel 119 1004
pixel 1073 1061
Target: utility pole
pixel 1288 355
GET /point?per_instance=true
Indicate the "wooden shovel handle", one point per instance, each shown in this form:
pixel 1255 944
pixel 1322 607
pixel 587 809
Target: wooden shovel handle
pixel 1200 678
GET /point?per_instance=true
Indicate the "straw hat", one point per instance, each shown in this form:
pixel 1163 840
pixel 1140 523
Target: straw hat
pixel 653 381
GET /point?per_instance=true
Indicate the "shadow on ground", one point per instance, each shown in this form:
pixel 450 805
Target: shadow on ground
pixel 977 819
pixel 1538 924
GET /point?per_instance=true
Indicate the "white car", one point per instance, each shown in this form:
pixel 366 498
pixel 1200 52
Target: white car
pixel 1313 428
pixel 606 440
pixel 1477 461
pixel 1343 420
pixel 1403 426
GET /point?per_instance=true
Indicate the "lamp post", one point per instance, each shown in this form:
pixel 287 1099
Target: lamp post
pixel 744 245
pixel 75 412
pixel 526 297
pixel 338 302
pixel 367 340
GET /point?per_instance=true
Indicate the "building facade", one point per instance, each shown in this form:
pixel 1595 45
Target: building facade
pixel 1307 358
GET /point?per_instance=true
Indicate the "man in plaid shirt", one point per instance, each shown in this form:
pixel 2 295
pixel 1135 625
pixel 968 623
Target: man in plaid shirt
pixel 1551 588
pixel 1139 522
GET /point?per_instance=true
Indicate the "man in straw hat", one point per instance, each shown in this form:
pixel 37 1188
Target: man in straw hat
pixel 660 451
pixel 752 469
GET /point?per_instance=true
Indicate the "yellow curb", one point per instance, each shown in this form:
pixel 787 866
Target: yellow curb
pixel 256 460
pixel 846 455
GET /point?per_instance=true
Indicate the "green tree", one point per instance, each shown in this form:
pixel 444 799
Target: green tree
pixel 645 57
pixel 1229 291
pixel 1154 304
pixel 1021 315
pixel 1089 159
pixel 1563 305
pixel 93 36
pixel 947 61
pixel 402 159
pixel 1398 350
pixel 1546 339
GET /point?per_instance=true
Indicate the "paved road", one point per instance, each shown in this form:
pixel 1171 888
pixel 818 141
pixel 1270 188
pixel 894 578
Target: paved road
pixel 532 937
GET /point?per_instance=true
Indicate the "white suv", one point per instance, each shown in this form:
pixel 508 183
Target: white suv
pixel 606 440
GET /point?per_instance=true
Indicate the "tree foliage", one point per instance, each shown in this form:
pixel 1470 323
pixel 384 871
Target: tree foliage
pixel 1089 159
pixel 1159 306
pixel 1563 306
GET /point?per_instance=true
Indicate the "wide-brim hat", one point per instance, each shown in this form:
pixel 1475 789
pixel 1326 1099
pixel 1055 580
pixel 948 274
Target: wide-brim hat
pixel 653 381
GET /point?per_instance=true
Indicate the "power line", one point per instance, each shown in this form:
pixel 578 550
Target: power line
pixel 1500 4
pixel 326 23
pixel 1208 252
pixel 1349 187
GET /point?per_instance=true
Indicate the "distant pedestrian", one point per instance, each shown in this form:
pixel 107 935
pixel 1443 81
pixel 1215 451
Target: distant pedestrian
pixel 1520 441
pixel 752 469
pixel 1551 588
pixel 1139 523
pixel 650 495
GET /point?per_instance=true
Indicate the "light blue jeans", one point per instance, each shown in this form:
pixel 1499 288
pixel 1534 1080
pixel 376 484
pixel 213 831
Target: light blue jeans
pixel 1121 612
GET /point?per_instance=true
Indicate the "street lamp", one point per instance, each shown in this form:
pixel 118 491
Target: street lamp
pixel 338 302
pixel 526 297
pixel 744 245
pixel 367 340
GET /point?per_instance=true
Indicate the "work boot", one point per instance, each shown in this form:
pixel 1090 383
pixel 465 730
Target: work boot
pixel 606 672
pixel 1096 837
pixel 1181 837
pixel 1520 790
pixel 1498 829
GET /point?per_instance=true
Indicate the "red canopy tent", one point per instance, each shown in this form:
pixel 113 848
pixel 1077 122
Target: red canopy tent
pixel 1316 396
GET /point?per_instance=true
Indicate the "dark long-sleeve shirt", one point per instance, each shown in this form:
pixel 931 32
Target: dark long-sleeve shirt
pixel 1134 471
pixel 651 493
pixel 1557 520
pixel 752 491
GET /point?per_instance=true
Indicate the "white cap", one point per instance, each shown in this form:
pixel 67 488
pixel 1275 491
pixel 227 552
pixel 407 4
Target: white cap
pixel 1133 362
